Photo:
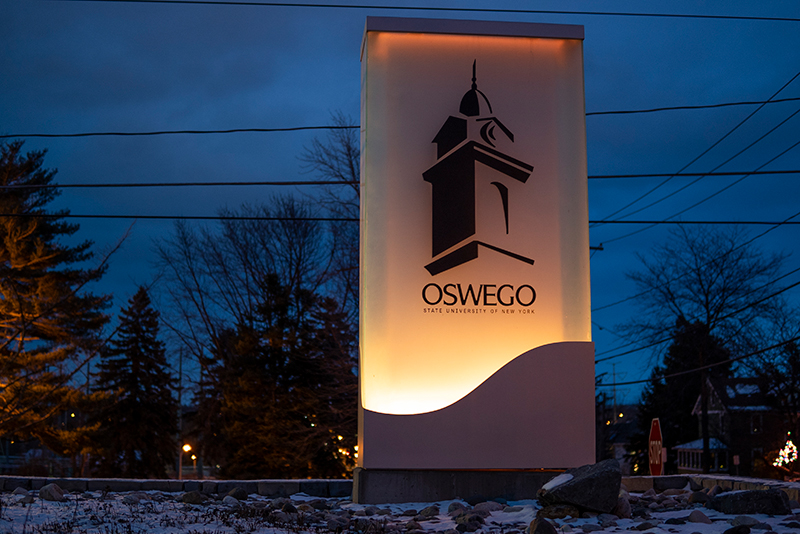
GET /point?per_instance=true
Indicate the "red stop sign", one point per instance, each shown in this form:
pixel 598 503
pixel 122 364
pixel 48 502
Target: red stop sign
pixel 655 445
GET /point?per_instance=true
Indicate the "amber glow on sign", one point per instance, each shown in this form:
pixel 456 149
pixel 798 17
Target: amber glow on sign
pixel 428 340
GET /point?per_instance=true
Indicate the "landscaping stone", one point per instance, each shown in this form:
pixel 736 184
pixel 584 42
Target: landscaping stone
pixel 770 502
pixel 542 526
pixel 52 492
pixel 699 517
pixel 193 497
pixel 593 487
pixel 558 511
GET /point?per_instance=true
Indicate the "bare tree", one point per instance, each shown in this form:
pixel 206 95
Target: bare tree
pixel 336 158
pixel 711 281
pixel 211 276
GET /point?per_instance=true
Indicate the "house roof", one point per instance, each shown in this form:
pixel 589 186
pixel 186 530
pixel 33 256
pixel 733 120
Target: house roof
pixel 713 444
pixel 734 395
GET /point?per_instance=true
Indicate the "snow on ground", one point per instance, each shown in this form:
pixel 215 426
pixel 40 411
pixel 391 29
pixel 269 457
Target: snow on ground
pixel 166 513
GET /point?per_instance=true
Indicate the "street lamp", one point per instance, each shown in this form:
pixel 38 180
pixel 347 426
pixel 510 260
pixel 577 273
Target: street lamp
pixel 185 448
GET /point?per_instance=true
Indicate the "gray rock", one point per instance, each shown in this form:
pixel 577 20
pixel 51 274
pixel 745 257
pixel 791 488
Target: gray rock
pixel 592 487
pixel 716 490
pixel 25 499
pixel 566 528
pixel 675 521
pixel 231 501
pixel 336 523
pixel 646 525
pixel 607 520
pixel 193 497
pixel 455 505
pixel 429 511
pixel 741 529
pixel 410 512
pixel 131 499
pixel 771 502
pixel 623 508
pixel 20 491
pixel 699 517
pixel 513 509
pixel 743 520
pixel 51 492
pixel 558 511
pixel 542 526
pixel 372 510
pixel 413 525
pixel 591 527
pixel 488 506
pixel 238 493
pixel 698 497
pixel 762 526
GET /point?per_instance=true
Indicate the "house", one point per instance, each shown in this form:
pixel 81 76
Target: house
pixel 743 425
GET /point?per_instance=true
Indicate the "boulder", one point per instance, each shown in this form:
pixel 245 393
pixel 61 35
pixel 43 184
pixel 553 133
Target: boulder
pixel 51 492
pixel 771 502
pixel 592 487
pixel 238 493
pixel 233 502
pixel 623 508
pixel 193 497
pixel 699 517
pixel 488 506
pixel 542 526
pixel 558 511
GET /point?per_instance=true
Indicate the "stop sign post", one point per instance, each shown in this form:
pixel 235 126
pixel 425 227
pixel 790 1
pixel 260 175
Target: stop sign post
pixel 655 447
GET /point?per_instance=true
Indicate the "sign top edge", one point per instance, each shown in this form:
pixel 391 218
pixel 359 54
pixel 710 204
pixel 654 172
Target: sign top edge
pixel 474 27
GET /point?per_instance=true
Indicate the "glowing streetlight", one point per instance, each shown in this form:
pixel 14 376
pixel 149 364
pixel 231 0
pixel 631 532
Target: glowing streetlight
pixel 186 448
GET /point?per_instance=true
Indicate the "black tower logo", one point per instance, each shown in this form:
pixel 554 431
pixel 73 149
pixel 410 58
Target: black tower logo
pixel 453 180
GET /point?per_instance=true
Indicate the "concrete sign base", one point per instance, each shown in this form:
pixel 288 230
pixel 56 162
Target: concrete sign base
pixel 376 486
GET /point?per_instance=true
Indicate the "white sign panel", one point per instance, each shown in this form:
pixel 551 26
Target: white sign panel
pixel 475 244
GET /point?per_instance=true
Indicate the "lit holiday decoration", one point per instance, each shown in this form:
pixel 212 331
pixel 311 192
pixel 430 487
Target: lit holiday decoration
pixel 787 455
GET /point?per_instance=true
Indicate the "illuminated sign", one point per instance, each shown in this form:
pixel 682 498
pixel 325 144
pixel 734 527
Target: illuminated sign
pixel 474 243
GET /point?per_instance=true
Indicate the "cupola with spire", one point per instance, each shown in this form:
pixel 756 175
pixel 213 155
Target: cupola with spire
pixel 471 101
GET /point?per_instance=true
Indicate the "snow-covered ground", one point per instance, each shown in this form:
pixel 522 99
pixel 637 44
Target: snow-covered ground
pixel 162 513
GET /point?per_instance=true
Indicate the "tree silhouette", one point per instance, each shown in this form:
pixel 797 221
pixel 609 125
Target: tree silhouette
pixel 49 324
pixel 138 421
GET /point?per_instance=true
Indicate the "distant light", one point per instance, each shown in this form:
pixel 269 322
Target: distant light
pixel 187 448
pixel 72 414
pixel 339 438
pixel 608 423
pixel 621 414
pixel 313 424
pixel 194 457
pixel 787 455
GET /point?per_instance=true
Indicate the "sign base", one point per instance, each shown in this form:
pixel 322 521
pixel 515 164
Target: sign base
pixel 376 486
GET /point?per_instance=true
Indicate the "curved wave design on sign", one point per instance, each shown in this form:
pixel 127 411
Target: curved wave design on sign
pixel 523 406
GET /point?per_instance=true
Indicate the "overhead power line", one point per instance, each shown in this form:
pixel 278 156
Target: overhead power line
pixel 450 9
pixel 178 184
pixel 180 132
pixel 356 126
pixel 704 367
pixel 687 174
pixel 695 159
pixel 726 316
pixel 102 185
pixel 178 217
pixel 350 219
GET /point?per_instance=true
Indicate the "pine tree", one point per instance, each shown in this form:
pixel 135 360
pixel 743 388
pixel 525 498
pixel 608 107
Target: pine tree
pixel 672 399
pixel 49 323
pixel 287 391
pixel 138 422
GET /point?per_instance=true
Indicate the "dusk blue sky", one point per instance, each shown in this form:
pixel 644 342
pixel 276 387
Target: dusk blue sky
pixel 81 66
